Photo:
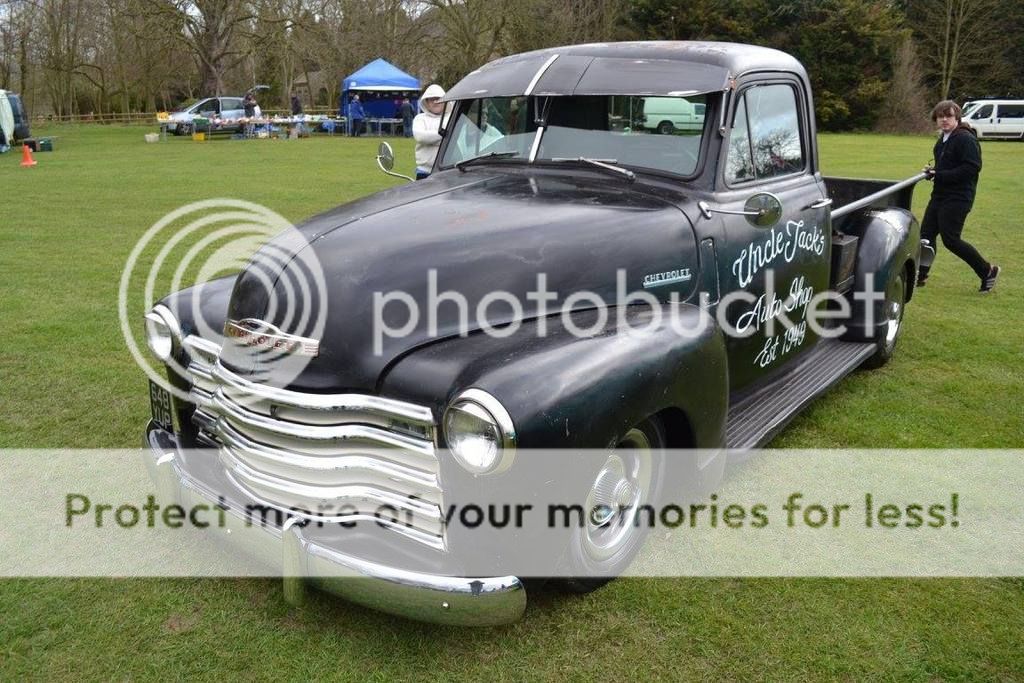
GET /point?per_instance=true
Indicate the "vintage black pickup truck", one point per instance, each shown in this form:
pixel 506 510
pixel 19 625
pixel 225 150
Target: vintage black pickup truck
pixel 546 167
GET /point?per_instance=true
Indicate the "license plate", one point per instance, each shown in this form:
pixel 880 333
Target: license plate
pixel 160 405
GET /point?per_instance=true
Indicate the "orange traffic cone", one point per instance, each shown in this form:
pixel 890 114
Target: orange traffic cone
pixel 26 156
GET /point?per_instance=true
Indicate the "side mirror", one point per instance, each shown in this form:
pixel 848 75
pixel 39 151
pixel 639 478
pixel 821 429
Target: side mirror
pixel 763 210
pixel 386 160
pixel 386 156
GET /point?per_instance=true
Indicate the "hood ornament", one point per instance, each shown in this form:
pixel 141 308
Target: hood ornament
pixel 258 334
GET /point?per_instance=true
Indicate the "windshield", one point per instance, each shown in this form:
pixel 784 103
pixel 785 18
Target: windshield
pixel 657 133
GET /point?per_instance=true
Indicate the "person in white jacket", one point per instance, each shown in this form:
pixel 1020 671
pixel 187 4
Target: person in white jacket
pixel 425 127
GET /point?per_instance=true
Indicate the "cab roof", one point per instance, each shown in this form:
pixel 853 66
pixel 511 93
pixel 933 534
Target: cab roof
pixel 669 68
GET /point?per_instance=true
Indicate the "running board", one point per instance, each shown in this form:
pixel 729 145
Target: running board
pixel 756 418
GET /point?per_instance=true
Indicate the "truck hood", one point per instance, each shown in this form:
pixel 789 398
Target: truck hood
pixel 474 235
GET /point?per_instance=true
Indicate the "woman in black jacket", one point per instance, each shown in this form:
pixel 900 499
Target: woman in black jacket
pixel 957 157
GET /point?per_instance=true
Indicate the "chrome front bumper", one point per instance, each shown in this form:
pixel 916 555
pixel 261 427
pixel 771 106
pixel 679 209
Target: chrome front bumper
pixel 302 561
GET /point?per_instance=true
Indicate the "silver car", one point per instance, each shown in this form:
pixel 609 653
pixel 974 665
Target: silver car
pixel 180 121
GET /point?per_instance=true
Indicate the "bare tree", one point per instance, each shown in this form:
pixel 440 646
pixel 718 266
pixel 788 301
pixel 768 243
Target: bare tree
pixel 537 24
pixel 472 33
pixel 213 31
pixel 906 107
pixel 959 37
pixel 62 56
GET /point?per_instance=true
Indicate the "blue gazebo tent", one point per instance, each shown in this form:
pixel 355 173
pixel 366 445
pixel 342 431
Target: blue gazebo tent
pixel 379 76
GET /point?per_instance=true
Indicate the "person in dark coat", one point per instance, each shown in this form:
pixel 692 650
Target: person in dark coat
pixel 249 104
pixel 957 164
pixel 356 116
pixel 296 105
pixel 406 112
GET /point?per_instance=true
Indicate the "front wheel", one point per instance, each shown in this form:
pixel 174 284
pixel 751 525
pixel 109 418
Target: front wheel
pixel 631 476
pixel 892 310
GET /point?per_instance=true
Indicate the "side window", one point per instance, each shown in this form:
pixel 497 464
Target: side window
pixel 1011 111
pixel 983 112
pixel 765 139
pixel 232 103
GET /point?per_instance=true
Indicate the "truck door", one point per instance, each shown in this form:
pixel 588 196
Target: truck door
pixel 772 267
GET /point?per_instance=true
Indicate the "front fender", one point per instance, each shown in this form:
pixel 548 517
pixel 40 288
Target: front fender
pixel 571 391
pixel 566 390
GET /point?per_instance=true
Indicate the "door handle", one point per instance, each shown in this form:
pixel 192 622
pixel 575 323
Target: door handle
pixel 820 204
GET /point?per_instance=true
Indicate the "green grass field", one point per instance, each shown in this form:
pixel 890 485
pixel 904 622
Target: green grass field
pixel 66 380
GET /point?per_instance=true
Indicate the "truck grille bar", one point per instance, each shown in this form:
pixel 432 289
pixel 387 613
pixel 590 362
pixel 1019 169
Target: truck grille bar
pixel 326 457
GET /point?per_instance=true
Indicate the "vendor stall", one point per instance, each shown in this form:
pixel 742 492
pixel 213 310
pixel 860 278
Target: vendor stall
pixel 381 87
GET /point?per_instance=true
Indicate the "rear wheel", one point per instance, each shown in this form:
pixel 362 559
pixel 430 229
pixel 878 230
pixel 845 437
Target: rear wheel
pixel 892 312
pixel 631 476
pixel 666 128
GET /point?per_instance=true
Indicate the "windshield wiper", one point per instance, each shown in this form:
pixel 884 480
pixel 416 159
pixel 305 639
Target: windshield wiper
pixel 490 155
pixel 602 163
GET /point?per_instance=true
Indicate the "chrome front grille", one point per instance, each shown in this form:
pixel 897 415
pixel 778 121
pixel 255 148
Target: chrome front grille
pixel 328 457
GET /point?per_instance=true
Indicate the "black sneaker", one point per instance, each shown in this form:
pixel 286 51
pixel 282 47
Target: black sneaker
pixel 922 280
pixel 989 281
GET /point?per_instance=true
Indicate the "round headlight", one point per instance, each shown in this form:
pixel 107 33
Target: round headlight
pixel 162 332
pixel 480 433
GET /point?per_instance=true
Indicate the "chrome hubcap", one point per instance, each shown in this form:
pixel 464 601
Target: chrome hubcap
pixel 620 487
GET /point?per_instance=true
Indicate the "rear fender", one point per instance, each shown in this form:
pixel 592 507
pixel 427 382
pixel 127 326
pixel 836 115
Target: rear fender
pixel 889 241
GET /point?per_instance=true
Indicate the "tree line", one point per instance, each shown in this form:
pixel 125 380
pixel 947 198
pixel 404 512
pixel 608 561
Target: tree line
pixel 874 64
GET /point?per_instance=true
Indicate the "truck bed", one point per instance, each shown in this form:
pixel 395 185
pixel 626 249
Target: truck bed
pixel 848 194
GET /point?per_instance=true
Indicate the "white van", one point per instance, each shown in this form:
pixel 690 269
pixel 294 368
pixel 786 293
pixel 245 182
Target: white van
pixel 669 114
pixel 996 119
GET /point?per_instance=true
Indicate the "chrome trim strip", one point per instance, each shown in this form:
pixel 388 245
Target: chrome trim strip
pixel 203 372
pixel 320 465
pixel 537 76
pixel 320 434
pixel 427 535
pixel 203 347
pixel 344 494
pixel 399 410
pixel 536 143
pixel 201 398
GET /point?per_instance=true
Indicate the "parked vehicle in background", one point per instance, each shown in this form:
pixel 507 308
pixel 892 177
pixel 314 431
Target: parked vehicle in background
pixel 18 119
pixel 996 119
pixel 669 114
pixel 21 127
pixel 208 108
